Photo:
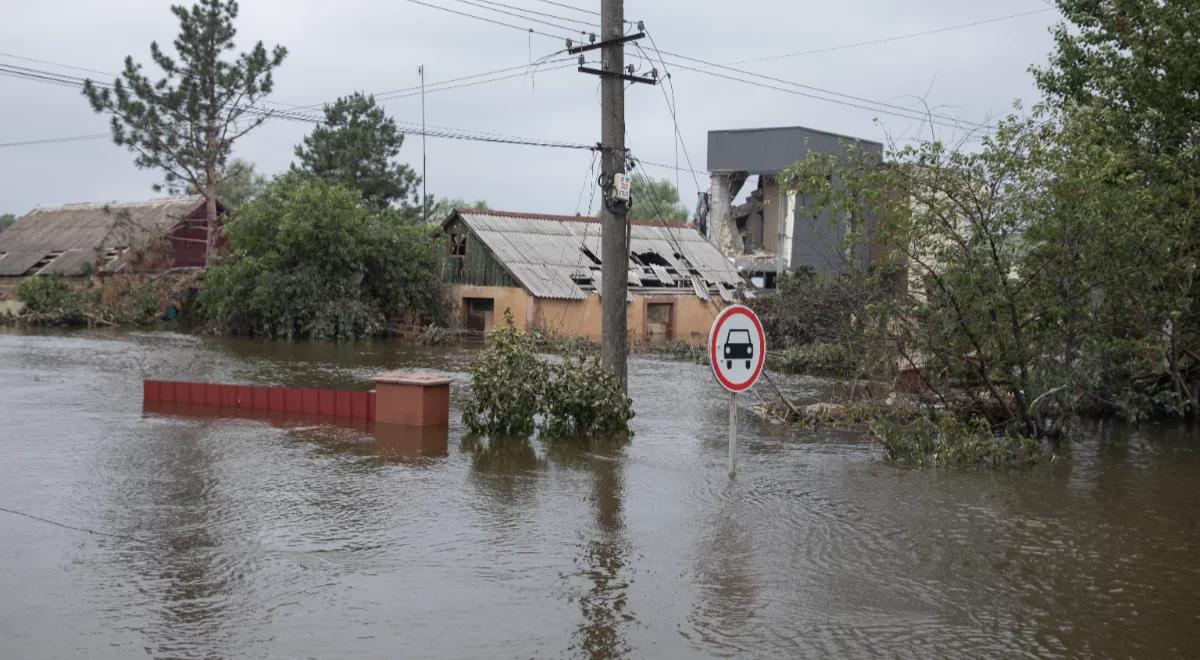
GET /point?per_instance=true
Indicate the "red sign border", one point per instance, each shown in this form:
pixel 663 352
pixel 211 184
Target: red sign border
pixel 761 360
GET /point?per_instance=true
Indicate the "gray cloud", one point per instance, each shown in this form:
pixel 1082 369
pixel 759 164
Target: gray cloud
pixel 374 46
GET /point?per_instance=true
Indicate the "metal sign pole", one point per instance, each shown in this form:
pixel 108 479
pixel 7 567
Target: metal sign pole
pixel 732 434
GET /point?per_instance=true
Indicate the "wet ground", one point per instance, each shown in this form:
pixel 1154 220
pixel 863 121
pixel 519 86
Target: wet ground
pixel 291 538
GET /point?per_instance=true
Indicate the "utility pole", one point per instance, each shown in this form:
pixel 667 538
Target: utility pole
pixel 424 163
pixel 614 223
pixel 614 246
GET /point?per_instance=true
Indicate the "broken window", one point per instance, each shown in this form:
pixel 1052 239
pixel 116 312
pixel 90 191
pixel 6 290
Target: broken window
pixel 458 245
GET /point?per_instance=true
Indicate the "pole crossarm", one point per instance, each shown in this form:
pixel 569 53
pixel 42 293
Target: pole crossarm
pixel 575 50
pixel 623 76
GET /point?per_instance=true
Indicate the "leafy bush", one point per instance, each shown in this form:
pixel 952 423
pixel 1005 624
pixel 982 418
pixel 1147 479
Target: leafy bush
pixel 307 260
pixel 511 386
pixel 943 438
pixel 584 398
pixel 507 380
pixel 46 295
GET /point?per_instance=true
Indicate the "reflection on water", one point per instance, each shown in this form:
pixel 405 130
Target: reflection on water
pixel 256 534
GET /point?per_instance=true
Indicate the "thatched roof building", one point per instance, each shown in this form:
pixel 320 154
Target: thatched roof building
pixel 77 239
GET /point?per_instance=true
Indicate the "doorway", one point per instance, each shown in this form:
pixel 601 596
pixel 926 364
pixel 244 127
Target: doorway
pixel 479 312
pixel 659 322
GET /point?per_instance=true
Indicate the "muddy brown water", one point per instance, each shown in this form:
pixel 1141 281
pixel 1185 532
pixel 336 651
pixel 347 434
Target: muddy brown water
pixel 250 538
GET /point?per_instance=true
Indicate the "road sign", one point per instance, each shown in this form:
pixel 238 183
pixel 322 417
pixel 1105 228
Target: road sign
pixel 737 348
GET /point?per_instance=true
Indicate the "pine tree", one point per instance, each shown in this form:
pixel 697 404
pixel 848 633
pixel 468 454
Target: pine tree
pixel 356 147
pixel 186 123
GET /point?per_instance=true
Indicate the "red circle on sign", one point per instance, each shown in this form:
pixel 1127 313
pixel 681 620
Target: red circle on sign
pixel 760 359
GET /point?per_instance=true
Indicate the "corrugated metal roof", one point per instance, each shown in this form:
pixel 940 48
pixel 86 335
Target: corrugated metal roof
pixel 81 231
pixel 544 252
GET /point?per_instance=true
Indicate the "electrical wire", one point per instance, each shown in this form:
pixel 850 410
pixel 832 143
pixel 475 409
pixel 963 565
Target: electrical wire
pixel 538 13
pixel 489 20
pixel 484 5
pixel 74 138
pixel 898 37
pixel 867 104
pixel 566 6
pixel 444 132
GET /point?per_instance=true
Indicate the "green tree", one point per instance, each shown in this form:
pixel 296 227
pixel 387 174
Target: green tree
pixel 357 146
pixel 186 123
pixel 1127 71
pixel 657 199
pixel 440 210
pixel 7 221
pixel 307 259
pixel 239 183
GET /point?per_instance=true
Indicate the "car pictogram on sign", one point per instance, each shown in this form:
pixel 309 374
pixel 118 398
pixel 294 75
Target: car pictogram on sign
pixel 738 347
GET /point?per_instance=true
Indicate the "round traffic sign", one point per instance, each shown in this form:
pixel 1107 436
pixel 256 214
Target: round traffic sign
pixel 737 348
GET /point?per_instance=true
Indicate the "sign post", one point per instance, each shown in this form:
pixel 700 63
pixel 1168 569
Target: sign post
pixel 737 350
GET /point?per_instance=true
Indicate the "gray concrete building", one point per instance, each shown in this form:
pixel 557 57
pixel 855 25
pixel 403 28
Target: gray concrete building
pixel 773 230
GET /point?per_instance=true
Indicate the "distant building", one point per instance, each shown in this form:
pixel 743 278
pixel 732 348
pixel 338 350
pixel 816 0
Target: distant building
pixel 774 230
pixel 545 270
pixel 113 237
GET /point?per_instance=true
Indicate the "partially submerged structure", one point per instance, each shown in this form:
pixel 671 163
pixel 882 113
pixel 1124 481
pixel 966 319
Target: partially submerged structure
pixel 112 237
pixel 774 230
pixel 545 270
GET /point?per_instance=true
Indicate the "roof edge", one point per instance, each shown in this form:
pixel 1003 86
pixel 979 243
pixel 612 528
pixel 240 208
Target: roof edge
pixel 559 218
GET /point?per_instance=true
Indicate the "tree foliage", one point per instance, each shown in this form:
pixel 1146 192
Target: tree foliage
pixel 7 220
pixel 308 260
pixel 186 123
pixel 356 147
pixel 239 184
pixel 657 199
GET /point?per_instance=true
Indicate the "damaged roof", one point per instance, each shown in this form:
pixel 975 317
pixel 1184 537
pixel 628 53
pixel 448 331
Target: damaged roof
pixel 556 256
pixel 65 240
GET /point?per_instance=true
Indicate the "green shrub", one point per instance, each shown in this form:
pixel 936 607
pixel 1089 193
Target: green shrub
pixel 507 380
pixel 583 398
pixel 942 438
pixel 511 386
pixel 46 295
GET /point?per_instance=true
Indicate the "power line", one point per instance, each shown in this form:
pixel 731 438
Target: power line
pixel 848 100
pixel 898 37
pixel 484 5
pixel 566 6
pixel 538 13
pixel 444 132
pixel 74 138
pixel 489 20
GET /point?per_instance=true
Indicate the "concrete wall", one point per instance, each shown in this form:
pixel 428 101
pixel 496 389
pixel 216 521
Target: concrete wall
pixel 690 319
pixel 768 150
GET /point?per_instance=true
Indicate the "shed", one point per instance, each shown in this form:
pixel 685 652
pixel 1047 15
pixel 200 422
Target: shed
pixel 75 239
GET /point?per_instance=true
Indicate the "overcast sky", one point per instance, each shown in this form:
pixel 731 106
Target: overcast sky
pixel 335 48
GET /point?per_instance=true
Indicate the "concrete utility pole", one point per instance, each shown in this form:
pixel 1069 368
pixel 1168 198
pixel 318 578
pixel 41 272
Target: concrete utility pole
pixel 614 246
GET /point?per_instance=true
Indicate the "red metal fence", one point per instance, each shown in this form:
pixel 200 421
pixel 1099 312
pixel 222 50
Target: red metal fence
pixel 307 400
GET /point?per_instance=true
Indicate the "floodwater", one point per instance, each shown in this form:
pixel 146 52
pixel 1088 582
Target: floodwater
pixel 293 538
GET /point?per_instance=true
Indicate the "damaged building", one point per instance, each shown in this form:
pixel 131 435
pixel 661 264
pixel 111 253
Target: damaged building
pixel 772 230
pixel 105 238
pixel 545 270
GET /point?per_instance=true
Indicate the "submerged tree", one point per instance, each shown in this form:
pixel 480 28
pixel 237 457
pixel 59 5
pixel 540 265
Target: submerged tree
pixel 356 147
pixel 186 123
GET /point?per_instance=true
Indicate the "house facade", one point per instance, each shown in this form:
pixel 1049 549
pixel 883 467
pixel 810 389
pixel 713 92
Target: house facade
pixel 545 270
pixel 76 240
